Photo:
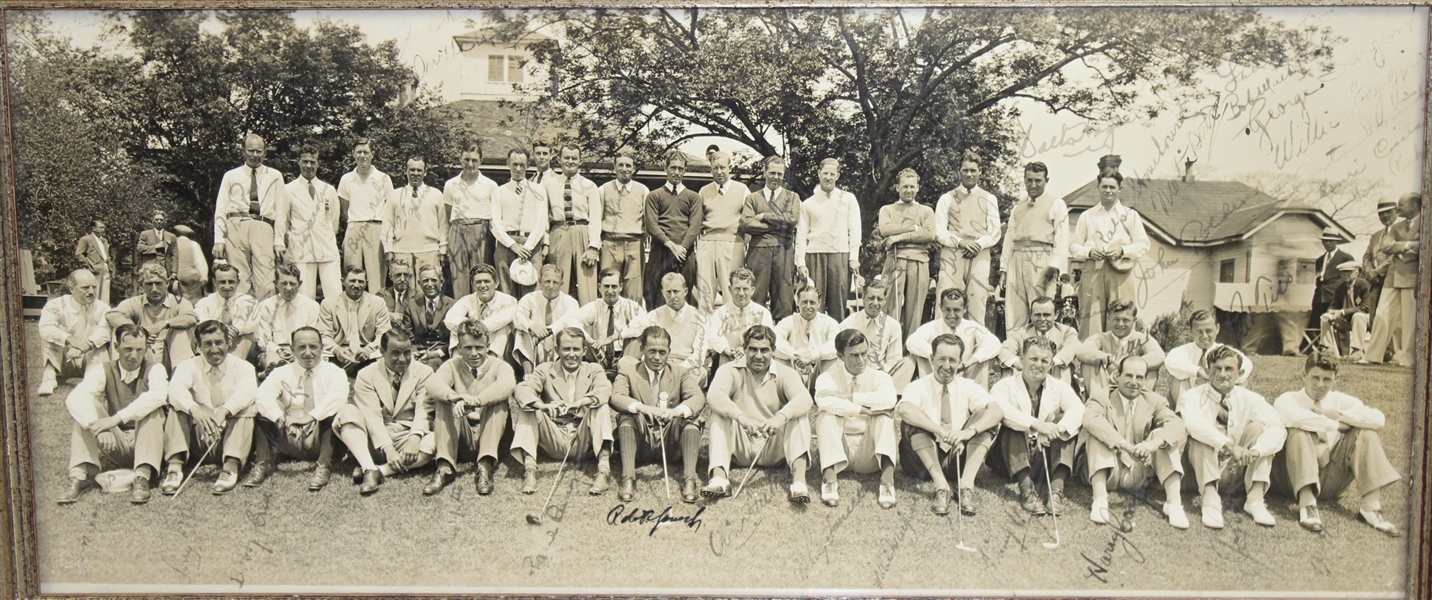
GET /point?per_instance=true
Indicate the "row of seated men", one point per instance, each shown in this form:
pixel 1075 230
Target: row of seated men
pixel 870 412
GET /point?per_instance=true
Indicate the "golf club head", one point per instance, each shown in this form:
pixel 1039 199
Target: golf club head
pixel 962 546
pixel 1051 545
pixel 533 519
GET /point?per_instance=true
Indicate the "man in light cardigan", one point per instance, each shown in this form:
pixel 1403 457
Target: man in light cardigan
pixel 828 240
pixel 967 226
pixel 415 221
pixel 721 249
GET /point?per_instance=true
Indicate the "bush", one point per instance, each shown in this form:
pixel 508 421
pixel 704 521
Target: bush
pixel 1171 330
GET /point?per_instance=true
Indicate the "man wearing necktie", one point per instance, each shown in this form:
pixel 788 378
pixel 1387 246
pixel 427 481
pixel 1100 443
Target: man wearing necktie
pixel 389 414
pixel 1329 290
pixel 623 212
pixel 74 329
pixel 1133 436
pixel 673 219
pixel 353 323
pixel 426 314
pixel 771 217
pixel 1186 365
pixel 93 250
pixel 805 341
pixel 213 399
pixel 155 244
pixel 470 394
pixel 606 322
pixel 1233 435
pixel 1041 322
pixel 947 418
pixel 296 405
pixel 519 222
pixel 415 221
pixel 247 232
pixel 685 323
pixel 312 224
pixel 536 321
pixel 233 309
pixel 575 231
pixel 278 316
pixel 967 226
pixel 721 248
pixel 562 408
pixel 1042 415
pixel 495 310
pixel 855 427
pixel 656 403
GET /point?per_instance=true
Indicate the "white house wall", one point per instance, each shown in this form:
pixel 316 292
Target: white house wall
pixel 464 75
pixel 1288 238
pixel 1168 275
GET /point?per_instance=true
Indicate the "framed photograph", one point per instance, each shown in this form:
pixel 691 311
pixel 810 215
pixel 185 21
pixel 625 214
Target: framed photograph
pixel 1002 301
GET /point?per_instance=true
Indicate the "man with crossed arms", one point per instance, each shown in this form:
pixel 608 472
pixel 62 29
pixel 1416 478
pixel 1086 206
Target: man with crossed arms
pixel 947 416
pixel 575 231
pixel 389 413
pixel 248 230
pixel 770 217
pixel 470 394
pixel 759 414
pixel 656 403
pixel 967 226
pixel 296 405
pixel 562 406
pixel 855 427
pixel 1133 435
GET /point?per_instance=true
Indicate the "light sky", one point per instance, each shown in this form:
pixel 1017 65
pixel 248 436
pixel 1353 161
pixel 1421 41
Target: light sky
pixel 1362 120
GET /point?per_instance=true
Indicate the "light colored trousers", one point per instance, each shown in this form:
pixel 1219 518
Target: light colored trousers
pixel 142 444
pixel 1394 315
pixel 1135 475
pixel 534 429
pixel 969 275
pixel 1023 282
pixel 453 433
pixel 715 260
pixel 361 247
pixel 1356 338
pixel 1357 460
pixel 855 442
pixel 330 273
pixel 1207 469
pixel 250 249
pixel 568 243
pixel 730 442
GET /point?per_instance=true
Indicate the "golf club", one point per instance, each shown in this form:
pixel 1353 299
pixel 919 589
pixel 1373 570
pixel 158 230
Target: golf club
pixel 536 518
pixel 196 467
pixel 752 469
pixel 665 478
pixel 959 518
pixel 1055 544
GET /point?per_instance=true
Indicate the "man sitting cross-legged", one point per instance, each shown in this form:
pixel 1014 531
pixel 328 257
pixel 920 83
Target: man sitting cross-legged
pixel 561 408
pixel 119 417
pixel 390 413
pixel 1233 435
pixel 296 405
pixel 981 346
pixel 758 414
pixel 470 394
pixel 855 427
pixel 213 396
pixel 1042 416
pixel 1332 445
pixel 1132 435
pixel 656 403
pixel 946 415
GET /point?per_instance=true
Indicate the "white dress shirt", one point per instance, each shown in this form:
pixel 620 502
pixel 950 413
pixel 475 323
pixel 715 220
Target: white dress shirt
pixel 234 198
pixel 586 204
pixel 64 317
pixel 241 309
pixel 496 315
pixel 312 221
pixel 1101 229
pixel 887 344
pixel 85 400
pixel 190 385
pixel 276 319
pixel 965 395
pixel 980 344
pixel 366 197
pixel 276 396
pixel 1199 408
pixel 1056 397
pixel 811 341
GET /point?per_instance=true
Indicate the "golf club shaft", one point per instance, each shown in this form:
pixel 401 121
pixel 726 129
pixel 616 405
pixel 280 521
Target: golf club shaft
pixel 196 467
pixel 560 469
pixel 1049 486
pixel 752 469
pixel 665 477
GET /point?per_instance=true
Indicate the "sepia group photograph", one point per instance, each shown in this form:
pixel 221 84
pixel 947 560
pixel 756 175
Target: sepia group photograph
pixel 743 300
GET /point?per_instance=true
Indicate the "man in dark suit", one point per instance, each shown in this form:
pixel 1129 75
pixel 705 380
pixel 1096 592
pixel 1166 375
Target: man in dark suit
pixel 673 219
pixel 1351 312
pixel 1330 284
pixel 397 295
pixel 426 313
pixel 94 251
pixel 656 403
pixel 155 244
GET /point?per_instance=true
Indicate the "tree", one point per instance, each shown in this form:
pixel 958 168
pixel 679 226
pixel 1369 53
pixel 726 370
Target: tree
pixel 885 90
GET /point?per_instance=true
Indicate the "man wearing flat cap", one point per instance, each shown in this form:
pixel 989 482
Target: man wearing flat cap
pixel 1352 312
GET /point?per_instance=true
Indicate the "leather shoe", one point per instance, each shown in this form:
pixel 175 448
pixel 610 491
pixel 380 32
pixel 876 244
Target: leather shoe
pixel 717 487
pixel 371 479
pixel 139 490
pixel 1056 503
pixel 967 502
pixel 942 502
pixel 601 484
pixel 1031 504
pixel 320 478
pixel 173 477
pixel 226 483
pixel 529 480
pixel 484 479
pixel 627 490
pixel 1310 519
pixel 72 494
pixel 257 475
pixel 441 478
pixel 357 475
pixel 689 491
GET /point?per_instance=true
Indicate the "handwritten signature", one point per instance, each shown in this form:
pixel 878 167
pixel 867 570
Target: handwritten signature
pixel 639 516
pixel 1122 525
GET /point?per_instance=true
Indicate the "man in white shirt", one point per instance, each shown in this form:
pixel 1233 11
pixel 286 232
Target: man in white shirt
pixel 947 416
pixel 562 408
pixel 519 222
pixel 856 426
pixel 119 415
pixel 233 309
pixel 756 401
pixel 728 324
pixel 537 320
pixel 353 323
pixel 363 193
pixel 1133 436
pixel 312 223
pixel 980 346
pixel 683 322
pixel 470 393
pixel 542 162
pixel 575 228
pixel 278 316
pixel 1110 239
pixel 828 240
pixel 74 329
pixel 606 322
pixel 390 413
pixel 1042 323
pixel 1233 435
pixel 1035 253
pixel 882 331
pixel 470 228
pixel 1100 353
pixel 1185 364
pixel 249 231
pixel 805 341
pixel 495 310
pixel 296 404
pixel 415 222
pixel 191 269
pixel 721 248
pixel 624 224
pixel 656 402
pixel 1042 419
pixel 1332 445
pixel 213 399
pixel 967 226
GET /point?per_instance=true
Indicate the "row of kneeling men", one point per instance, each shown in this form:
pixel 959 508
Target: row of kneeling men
pixel 401 414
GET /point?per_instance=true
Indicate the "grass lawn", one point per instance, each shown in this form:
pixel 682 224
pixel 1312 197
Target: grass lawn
pixel 283 535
